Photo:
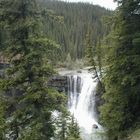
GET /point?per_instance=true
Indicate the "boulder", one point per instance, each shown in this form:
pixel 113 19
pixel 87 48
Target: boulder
pixel 95 126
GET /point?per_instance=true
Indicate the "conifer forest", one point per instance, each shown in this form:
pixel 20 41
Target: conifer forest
pixel 69 70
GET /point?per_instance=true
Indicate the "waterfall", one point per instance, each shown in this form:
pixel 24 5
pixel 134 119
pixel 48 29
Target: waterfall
pixel 81 103
pixel 81 92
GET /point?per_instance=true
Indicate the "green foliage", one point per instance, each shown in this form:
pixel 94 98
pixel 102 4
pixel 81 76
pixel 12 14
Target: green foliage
pixel 29 102
pixel 135 135
pixel 67 128
pixel 2 120
pixel 73 130
pixel 77 18
pixel 94 61
pixel 122 82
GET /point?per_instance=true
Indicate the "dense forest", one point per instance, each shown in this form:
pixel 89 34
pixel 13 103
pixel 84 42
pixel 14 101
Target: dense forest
pixel 27 104
pixel 121 111
pixel 36 35
pixel 75 20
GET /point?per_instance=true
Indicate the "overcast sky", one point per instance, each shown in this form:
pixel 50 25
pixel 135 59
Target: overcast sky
pixel 104 3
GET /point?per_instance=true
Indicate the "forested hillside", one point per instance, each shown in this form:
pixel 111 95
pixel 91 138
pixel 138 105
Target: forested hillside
pixel 75 20
pixel 35 36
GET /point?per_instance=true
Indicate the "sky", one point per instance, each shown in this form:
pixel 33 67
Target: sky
pixel 104 3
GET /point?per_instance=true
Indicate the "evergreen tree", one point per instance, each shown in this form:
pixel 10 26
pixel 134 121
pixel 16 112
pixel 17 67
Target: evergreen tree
pixel 29 102
pixel 93 62
pixel 61 123
pixel 77 19
pixel 122 81
pixel 67 127
pixel 73 132
pixel 2 120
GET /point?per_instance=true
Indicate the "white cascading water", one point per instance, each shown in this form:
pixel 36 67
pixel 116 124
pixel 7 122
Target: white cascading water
pixel 81 104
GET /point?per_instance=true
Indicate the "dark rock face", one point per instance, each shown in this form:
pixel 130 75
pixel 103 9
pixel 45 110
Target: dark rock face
pixel 59 83
pixel 79 71
pixel 3 66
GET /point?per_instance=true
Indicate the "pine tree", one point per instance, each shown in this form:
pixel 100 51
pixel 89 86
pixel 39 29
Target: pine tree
pixel 67 127
pixel 93 63
pixel 61 123
pixel 29 102
pixel 73 132
pixel 78 18
pixel 2 120
pixel 122 81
